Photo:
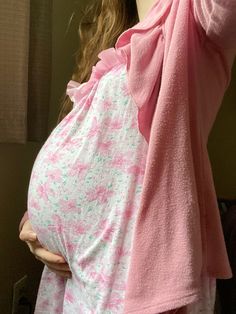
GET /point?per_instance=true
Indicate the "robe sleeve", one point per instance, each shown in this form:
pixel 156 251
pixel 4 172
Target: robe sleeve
pixel 217 18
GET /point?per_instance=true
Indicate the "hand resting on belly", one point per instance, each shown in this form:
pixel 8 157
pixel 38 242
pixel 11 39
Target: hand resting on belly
pixel 54 262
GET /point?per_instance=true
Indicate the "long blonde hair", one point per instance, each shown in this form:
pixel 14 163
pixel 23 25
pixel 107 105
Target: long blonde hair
pixel 102 23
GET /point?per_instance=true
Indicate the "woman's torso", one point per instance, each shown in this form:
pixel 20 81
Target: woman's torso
pixel 85 189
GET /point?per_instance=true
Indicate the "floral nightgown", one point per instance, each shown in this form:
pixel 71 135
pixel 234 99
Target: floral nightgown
pixel 84 195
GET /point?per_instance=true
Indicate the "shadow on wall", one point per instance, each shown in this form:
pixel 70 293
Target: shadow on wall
pixel 222 144
pixel 16 162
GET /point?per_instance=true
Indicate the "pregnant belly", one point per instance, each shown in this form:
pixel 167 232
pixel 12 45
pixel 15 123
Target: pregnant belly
pixel 79 215
pixel 83 195
pixel 65 223
pixel 58 224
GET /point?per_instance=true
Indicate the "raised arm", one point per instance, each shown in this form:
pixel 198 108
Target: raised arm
pixel 218 19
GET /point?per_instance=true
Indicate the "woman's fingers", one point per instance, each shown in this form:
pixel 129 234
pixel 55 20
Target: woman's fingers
pixel 64 274
pixel 54 262
pixel 47 256
pixel 60 267
pixel 28 236
pixel 27 233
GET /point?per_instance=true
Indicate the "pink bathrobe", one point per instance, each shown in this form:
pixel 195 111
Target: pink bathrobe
pixel 181 59
pixel 179 67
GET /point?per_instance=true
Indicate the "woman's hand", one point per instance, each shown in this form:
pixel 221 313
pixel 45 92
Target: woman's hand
pixel 56 263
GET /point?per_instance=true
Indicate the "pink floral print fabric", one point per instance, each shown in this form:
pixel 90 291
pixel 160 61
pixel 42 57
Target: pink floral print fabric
pixel 83 198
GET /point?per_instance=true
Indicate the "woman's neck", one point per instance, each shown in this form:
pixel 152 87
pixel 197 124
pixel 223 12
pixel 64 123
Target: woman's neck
pixel 143 7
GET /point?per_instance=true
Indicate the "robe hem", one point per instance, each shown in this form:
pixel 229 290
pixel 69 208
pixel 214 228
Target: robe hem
pixel 166 305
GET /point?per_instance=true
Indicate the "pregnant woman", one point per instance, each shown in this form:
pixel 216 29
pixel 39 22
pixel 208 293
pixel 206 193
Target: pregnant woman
pixel 116 195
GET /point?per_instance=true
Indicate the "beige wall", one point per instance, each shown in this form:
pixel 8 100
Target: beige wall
pixel 16 161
